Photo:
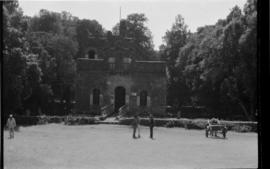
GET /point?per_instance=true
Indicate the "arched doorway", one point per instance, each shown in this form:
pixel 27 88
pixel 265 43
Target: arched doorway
pixel 119 98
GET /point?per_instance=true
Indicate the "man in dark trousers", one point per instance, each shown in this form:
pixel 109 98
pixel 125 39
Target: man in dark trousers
pixel 151 125
pixel 135 125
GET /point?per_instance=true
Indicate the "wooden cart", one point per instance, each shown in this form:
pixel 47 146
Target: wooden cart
pixel 213 130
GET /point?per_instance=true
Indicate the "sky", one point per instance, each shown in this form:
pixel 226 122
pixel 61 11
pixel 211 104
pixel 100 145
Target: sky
pixel 160 13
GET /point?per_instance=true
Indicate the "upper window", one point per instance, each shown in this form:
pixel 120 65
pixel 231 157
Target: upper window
pixel 126 62
pixel 91 54
pixel 112 63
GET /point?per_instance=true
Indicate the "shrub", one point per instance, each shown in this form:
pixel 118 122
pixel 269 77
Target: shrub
pixel 126 121
pixel 102 118
pixel 194 124
pixel 26 120
pixel 43 120
pixel 170 124
pixel 199 123
pixel 73 120
pixel 55 119
pixel 242 128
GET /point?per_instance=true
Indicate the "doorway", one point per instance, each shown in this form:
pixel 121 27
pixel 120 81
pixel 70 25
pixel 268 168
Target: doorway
pixel 119 98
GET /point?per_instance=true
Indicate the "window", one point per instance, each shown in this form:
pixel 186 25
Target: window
pixel 91 54
pixel 143 98
pixel 111 63
pixel 126 62
pixel 96 97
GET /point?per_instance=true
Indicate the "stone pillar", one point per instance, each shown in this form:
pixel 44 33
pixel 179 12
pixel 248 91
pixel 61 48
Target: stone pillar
pixel 138 100
pixel 148 101
pixel 91 99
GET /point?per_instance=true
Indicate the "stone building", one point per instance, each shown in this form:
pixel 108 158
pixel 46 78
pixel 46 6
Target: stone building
pixel 113 79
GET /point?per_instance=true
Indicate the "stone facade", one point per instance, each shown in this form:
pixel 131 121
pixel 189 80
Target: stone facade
pixel 118 81
pixel 112 72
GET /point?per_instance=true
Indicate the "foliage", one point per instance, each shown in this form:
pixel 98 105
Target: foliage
pixel 174 39
pixel 214 67
pixel 38 59
pixel 14 56
pixel 217 64
pixel 238 126
pixel 80 120
pixel 140 43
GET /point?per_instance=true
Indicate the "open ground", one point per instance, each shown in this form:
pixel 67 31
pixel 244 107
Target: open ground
pixel 57 146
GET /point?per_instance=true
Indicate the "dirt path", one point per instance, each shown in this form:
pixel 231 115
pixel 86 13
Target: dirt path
pixel 56 146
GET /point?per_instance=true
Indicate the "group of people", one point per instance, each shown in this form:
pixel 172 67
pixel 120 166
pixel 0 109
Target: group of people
pixel 136 126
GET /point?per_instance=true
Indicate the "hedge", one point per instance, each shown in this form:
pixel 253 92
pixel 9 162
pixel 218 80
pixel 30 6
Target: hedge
pixel 239 126
pixel 26 120
pixel 80 120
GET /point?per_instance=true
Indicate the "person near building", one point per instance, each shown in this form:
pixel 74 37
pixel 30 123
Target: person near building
pixel 151 125
pixel 138 126
pixel 135 125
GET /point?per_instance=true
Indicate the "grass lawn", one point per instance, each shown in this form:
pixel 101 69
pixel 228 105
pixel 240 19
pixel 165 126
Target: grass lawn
pixel 56 146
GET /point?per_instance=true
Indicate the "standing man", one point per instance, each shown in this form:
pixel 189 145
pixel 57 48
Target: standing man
pixel 11 124
pixel 135 125
pixel 138 126
pixel 151 122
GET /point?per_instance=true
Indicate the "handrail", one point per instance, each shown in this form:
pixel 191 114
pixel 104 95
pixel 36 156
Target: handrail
pixel 123 106
pixel 105 108
pixel 122 110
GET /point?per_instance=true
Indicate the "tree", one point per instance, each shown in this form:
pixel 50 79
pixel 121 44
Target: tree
pixel 14 56
pixel 218 63
pixel 53 47
pixel 46 21
pixel 140 42
pixel 174 39
pixel 241 85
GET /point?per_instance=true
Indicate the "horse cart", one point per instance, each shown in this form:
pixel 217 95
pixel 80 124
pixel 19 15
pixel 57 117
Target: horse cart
pixel 214 129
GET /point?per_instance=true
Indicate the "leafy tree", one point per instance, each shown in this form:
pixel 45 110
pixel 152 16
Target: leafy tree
pixel 241 85
pixel 55 46
pixel 218 63
pixel 135 36
pixel 174 39
pixel 14 56
pixel 46 21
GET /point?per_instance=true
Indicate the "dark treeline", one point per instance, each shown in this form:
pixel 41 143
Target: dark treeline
pixel 216 66
pixel 213 67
